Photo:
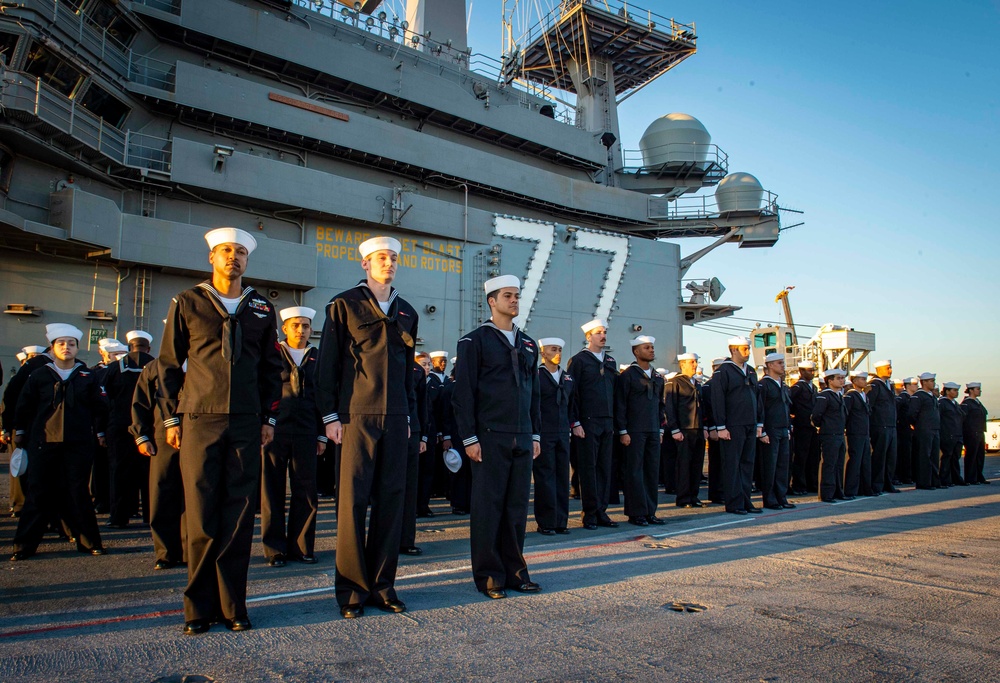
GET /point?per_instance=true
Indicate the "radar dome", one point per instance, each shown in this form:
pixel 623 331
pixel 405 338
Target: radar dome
pixel 674 138
pixel 739 192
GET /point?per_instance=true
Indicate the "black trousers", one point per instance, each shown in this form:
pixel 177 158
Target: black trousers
pixel 166 504
pixel 426 471
pixel 326 471
pixel 501 486
pixel 408 536
pixel 804 443
pixel 220 468
pixel 775 462
pixel 669 456
pixel 951 454
pixel 975 457
pixel 594 467
pixel 291 458
pixel 926 459
pixel 737 466
pixel 460 494
pixel 373 459
pixel 858 471
pixel 100 483
pixel 831 470
pixel 550 472
pixel 57 485
pixel 689 464
pixel 905 470
pixel 883 458
pixel 642 474
pixel 129 478
pixel 715 493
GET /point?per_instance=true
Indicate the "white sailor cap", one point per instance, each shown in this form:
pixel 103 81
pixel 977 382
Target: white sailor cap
pixel 454 360
pixel 807 364
pixel 924 376
pixel 951 385
pixel 230 236
pixel 642 339
pixel 452 460
pixel 55 331
pixel 106 342
pixel 138 334
pixel 297 312
pixel 35 349
pixel 883 363
pixel 593 325
pixel 898 382
pixel 551 341
pixel 772 357
pixel 438 354
pixel 670 375
pixel 909 380
pixel 737 341
pixel 21 356
pixel 493 284
pixel 834 372
pixel 716 362
pixel 687 356
pixel 374 244
pixel 116 347
pixel 662 371
pixel 859 374
pixel 974 385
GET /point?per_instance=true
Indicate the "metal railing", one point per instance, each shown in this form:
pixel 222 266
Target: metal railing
pixel 152 72
pixel 170 6
pixel 707 206
pixel 105 47
pixel 148 151
pixel 675 154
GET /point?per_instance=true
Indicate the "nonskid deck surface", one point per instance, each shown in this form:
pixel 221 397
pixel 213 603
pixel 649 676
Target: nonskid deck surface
pixel 899 587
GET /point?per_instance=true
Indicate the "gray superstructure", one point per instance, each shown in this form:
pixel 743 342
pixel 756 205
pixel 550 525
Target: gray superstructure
pixel 130 128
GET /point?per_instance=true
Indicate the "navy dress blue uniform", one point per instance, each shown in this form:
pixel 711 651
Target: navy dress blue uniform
pixel 858 472
pixel 905 446
pixel 166 488
pixel 365 380
pixel 924 414
pixel 829 416
pixel 882 403
pixel 683 414
pixel 805 439
pixel 57 420
pixel 639 414
pixel 291 457
pixel 550 470
pixel 775 455
pixel 437 406
pixel 497 405
pixel 421 431
pixel 128 468
pixel 7 407
pixel 735 407
pixel 594 392
pixel 974 437
pixel 715 492
pixel 231 388
pixel 951 441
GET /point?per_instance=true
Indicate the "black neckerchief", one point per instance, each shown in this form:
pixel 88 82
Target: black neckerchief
pixel 232 333
pixel 514 349
pixel 62 391
pixel 296 378
pixel 390 319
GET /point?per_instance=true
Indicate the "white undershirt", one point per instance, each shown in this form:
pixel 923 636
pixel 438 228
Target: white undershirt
pixel 556 375
pixel 63 374
pixel 230 304
pixel 297 354
pixel 384 305
pixel 648 371
pixel 509 334
pixel 599 355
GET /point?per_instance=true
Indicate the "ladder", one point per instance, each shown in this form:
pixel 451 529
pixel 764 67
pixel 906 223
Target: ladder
pixel 142 299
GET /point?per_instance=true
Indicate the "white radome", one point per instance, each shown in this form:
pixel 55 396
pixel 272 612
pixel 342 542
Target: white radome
pixel 674 138
pixel 739 192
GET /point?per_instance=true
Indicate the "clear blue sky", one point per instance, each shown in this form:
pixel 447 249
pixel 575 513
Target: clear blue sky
pixel 881 121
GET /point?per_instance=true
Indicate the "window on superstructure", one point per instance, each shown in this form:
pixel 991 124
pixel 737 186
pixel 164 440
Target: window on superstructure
pixel 52 69
pixel 102 103
pixel 8 45
pixel 102 14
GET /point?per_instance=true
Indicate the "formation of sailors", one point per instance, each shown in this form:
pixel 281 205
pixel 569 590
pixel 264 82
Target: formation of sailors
pixel 227 416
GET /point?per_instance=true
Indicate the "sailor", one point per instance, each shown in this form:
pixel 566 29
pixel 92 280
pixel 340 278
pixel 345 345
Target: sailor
pixel 31 358
pixel 974 433
pixel 299 440
pixel 59 410
pixel 100 485
pixel 882 400
pixel 684 421
pixel 166 488
pixel 858 471
pixel 951 435
pixel 366 397
pixel 715 493
pixel 639 422
pixel 421 431
pixel 221 412
pixel 558 411
pixel 429 467
pixel 738 417
pixel 774 446
pixel 594 372
pixel 805 440
pixel 498 416
pixel 829 416
pixel 905 446
pixel 924 414
pixel 129 468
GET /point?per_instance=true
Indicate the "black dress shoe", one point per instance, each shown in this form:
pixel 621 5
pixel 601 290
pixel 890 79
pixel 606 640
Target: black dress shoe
pixel 609 523
pixel 93 551
pixel 311 559
pixel 589 526
pixel 546 532
pixel 196 626
pixel 276 561
pixel 774 507
pixel 891 489
pixel 393 605
pixel 962 483
pixel 495 593
pixel 697 504
pixel 352 611
pixel 164 564
pixel 788 506
pixel 561 530
pixel 985 481
pixel 826 500
pixel 527 587
pixel 637 521
pixel 653 519
pixel 21 555
pixel 459 511
pixel 411 550
pixel 117 525
pixel 737 512
pixel 242 624
pixel 754 510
